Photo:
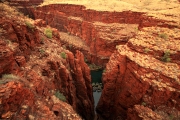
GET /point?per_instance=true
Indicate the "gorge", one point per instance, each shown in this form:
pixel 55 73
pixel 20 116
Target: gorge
pixel 52 55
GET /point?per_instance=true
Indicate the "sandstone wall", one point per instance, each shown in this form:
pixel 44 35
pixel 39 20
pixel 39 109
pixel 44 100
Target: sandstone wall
pixel 138 84
pixel 37 71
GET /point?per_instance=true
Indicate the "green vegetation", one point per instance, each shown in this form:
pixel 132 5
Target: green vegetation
pixel 63 55
pixel 163 36
pixel 104 70
pixel 94 66
pixel 8 77
pixel 48 33
pixel 60 96
pixel 143 103
pixel 42 51
pixel 166 57
pixel 136 29
pixel 29 25
pixel 146 50
pixel 171 117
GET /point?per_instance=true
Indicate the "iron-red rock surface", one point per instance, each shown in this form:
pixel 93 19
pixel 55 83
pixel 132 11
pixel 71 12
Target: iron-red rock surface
pixel 35 69
pixel 101 29
pixel 141 73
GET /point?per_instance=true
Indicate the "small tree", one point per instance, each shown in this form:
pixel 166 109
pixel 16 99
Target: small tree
pixel 63 55
pixel 48 33
pixel 166 57
pixel 163 36
pixel 60 96
pixel 29 25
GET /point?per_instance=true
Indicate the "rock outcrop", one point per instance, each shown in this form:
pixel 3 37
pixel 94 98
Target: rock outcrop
pixel 142 77
pixel 100 33
pixel 36 71
pixel 100 30
pixel 162 113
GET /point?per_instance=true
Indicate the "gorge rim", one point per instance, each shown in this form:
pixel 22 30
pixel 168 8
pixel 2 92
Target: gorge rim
pixel 130 50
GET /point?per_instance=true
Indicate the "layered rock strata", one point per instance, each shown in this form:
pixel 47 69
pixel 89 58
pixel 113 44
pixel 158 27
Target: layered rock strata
pixel 141 78
pixel 34 68
pixel 100 33
pixel 101 30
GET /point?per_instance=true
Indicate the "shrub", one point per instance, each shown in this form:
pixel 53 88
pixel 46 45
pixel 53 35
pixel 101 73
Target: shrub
pixel 146 50
pixel 166 57
pixel 60 96
pixel 63 55
pixel 9 76
pixel 171 117
pixel 163 36
pixel 29 25
pixel 94 66
pixel 48 33
pixel 143 103
pixel 42 51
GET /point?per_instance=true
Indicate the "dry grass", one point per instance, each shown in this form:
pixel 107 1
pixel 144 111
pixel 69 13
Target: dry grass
pixel 151 37
pixel 163 9
pixel 12 13
pixel 171 70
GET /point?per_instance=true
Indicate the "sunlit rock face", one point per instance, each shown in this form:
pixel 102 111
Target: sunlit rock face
pixel 141 42
pixel 143 76
pixel 34 67
pixel 101 30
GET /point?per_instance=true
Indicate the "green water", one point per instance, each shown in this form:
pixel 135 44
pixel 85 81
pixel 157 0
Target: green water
pixel 96 76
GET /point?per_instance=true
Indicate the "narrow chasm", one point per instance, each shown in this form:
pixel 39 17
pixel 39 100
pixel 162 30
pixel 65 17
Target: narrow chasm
pixel 120 64
pixel 96 76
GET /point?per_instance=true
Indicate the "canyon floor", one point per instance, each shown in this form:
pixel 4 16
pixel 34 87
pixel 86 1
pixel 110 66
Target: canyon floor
pixel 48 49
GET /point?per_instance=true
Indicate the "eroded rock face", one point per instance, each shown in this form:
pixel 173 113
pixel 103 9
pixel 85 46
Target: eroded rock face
pixel 135 76
pixel 141 77
pixel 72 78
pixel 100 30
pixel 140 112
pixel 20 101
pixel 38 68
pixel 17 42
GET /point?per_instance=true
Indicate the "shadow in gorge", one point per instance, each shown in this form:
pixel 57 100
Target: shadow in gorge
pixel 96 76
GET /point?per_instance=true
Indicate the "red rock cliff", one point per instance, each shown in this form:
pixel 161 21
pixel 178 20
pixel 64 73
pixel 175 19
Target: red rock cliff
pixel 141 81
pixel 101 30
pixel 34 68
